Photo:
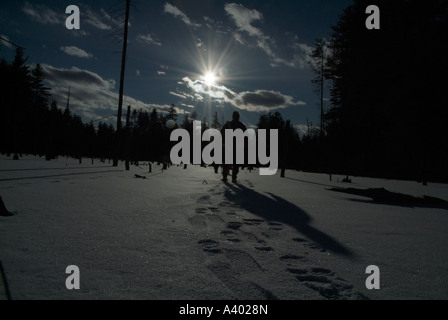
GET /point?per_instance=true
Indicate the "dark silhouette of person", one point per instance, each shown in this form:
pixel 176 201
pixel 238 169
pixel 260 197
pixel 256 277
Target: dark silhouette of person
pixel 231 125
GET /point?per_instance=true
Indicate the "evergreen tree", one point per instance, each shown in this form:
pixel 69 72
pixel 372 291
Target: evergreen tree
pixel 215 123
pixel 187 124
pixel 388 115
pixel 172 113
pixel 318 60
pixel 41 93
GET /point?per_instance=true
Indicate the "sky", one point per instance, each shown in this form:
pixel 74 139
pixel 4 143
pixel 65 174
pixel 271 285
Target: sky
pixel 203 56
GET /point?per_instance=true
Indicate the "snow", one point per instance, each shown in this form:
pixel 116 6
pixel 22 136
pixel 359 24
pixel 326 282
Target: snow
pixel 184 234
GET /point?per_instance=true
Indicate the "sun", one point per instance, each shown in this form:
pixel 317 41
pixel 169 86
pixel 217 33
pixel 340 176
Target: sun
pixel 209 78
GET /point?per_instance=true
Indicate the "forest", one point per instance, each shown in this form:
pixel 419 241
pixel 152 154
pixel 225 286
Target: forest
pixel 34 125
pixel 387 117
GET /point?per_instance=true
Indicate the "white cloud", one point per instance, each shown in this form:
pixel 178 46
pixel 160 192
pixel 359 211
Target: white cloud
pixel 179 95
pixel 114 21
pixel 92 97
pixel 94 20
pixel 148 39
pixel 238 38
pixel 216 26
pixel 201 88
pixel 76 52
pixel 161 73
pixel 256 101
pixel 168 8
pixel 198 97
pixel 303 53
pixel 43 14
pixel 244 19
pixel 200 44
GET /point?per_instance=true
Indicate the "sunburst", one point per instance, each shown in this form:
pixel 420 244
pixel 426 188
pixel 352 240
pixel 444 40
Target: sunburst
pixel 209 78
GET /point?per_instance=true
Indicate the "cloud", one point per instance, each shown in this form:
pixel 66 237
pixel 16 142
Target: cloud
pixel 304 129
pixel 168 8
pixel 76 52
pixel 114 21
pixel 6 43
pixel 148 39
pixel 82 78
pixel 238 38
pixel 303 53
pixel 179 95
pixel 256 101
pixel 308 50
pixel 43 14
pixel 91 96
pixel 95 21
pixel 200 44
pixel 161 73
pixel 200 88
pixel 216 26
pixel 244 19
pixel 264 100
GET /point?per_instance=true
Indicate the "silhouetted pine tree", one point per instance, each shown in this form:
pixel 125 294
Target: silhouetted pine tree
pixel 389 115
pixel 289 149
pixel 318 59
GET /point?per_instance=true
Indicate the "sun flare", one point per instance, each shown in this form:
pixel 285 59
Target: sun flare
pixel 209 78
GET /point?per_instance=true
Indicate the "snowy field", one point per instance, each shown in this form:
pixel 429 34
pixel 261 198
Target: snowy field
pixel 184 234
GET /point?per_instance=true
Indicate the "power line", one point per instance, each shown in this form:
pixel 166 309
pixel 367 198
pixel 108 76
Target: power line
pixel 112 115
pixel 15 45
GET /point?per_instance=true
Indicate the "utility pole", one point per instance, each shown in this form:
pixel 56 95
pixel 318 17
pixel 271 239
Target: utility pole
pixel 123 69
pixel 68 98
pixel 322 91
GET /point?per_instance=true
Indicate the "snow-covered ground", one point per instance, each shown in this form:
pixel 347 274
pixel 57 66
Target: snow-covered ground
pixel 184 234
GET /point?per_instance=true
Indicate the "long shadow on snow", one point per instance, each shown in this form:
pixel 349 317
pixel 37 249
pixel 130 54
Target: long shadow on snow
pixel 62 168
pixel 280 210
pixel 59 175
pixel 383 196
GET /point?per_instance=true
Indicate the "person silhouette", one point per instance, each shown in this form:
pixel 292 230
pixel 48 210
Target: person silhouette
pixel 231 125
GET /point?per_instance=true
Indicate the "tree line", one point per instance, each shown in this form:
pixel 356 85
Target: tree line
pixel 33 123
pixel 388 113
